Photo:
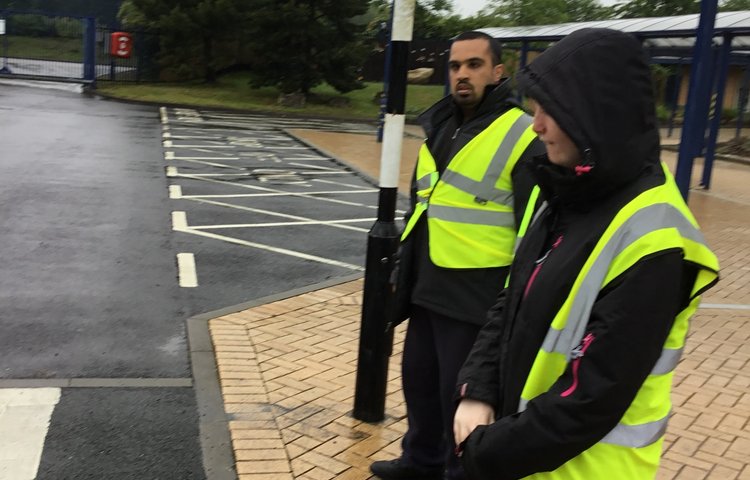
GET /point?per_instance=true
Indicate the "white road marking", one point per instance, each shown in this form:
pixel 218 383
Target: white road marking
pixel 175 191
pixel 269 213
pixel 186 269
pixel 168 155
pixel 25 415
pixel 172 172
pixel 205 147
pixel 163 115
pixel 287 224
pixel 270 248
pixel 179 220
pixel 166 135
pixel 724 306
pixel 267 189
pixel 174 157
pixel 283 194
pixel 212 164
pixel 167 143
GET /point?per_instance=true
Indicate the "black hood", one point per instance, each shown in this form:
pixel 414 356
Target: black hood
pixel 596 84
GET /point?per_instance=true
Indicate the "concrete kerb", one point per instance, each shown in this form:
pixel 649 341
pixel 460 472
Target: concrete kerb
pixel 216 443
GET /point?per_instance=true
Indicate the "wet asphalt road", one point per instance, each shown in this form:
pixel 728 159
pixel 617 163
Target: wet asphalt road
pixel 97 200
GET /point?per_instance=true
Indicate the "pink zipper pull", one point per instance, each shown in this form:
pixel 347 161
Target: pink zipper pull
pixel 578 353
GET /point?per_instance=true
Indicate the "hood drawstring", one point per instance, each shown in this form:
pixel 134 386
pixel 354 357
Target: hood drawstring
pixel 587 165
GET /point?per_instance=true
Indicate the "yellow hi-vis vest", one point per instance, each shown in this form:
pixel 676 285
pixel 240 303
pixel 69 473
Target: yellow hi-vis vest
pixel 470 208
pixel 656 220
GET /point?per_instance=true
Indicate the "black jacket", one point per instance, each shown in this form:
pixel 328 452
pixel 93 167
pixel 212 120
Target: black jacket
pixel 601 97
pixel 464 294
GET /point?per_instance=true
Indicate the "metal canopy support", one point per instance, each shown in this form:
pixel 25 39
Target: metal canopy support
pixel 721 80
pixel 675 97
pixel 699 91
pixel 742 100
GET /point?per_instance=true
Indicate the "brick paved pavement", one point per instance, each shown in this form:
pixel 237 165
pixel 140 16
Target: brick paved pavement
pixel 287 368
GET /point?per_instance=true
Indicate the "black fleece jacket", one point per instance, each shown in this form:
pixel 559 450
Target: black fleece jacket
pixel 596 84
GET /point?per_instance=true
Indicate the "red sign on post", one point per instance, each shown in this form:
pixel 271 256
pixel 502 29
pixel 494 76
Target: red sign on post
pixel 120 45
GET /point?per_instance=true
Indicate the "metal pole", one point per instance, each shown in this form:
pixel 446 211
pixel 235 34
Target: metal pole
pixel 699 91
pixel 375 338
pixel 89 49
pixel 721 80
pixel 386 74
pixel 742 100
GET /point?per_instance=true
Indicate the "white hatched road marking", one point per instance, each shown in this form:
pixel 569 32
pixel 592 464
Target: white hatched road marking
pixel 268 145
pixel 278 214
pixel 25 415
pixel 257 187
pixel 271 248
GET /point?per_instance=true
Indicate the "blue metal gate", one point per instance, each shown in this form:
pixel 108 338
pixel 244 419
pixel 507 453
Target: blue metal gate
pixel 71 48
pixel 47 46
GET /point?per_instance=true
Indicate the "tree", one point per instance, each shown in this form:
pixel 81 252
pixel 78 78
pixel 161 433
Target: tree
pixel 544 12
pixel 297 44
pixel 194 34
pixel 657 8
pixel 734 5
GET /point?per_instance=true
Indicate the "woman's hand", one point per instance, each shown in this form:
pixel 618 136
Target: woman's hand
pixel 469 415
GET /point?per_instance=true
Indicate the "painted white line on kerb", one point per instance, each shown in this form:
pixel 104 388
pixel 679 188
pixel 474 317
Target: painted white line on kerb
pixel 724 306
pixel 163 114
pixel 25 415
pixel 179 221
pixel 172 171
pixel 187 271
pixel 168 155
pixel 175 191
pixel 167 143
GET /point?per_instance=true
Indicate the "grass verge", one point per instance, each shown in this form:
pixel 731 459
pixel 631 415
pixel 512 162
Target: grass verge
pixel 232 91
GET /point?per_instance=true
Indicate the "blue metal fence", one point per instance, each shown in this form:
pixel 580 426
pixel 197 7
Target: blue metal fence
pixel 73 48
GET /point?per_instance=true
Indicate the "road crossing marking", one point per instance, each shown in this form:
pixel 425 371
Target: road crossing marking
pixel 25 415
pixel 186 269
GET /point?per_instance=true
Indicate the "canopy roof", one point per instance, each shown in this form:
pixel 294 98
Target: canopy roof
pixel 660 31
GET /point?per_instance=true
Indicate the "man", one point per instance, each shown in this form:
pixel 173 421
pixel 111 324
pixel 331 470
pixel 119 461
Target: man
pixel 571 376
pixel 457 243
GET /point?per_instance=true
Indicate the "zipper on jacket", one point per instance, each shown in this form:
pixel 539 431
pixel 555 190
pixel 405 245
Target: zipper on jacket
pixel 538 265
pixel 578 354
pixel 455 134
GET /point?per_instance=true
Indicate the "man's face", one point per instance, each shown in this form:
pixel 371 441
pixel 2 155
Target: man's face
pixel 560 147
pixel 471 70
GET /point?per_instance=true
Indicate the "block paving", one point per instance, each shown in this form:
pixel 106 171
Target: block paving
pixel 287 368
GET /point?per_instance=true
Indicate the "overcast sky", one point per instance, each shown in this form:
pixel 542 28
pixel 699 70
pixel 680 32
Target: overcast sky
pixel 470 7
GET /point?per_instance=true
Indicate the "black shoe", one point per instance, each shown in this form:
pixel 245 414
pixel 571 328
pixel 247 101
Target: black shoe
pixel 397 470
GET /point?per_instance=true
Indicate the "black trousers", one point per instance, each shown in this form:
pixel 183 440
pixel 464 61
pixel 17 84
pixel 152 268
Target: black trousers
pixel 435 348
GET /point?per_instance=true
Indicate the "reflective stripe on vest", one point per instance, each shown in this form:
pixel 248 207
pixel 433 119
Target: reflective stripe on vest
pixel 472 203
pixel 655 221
